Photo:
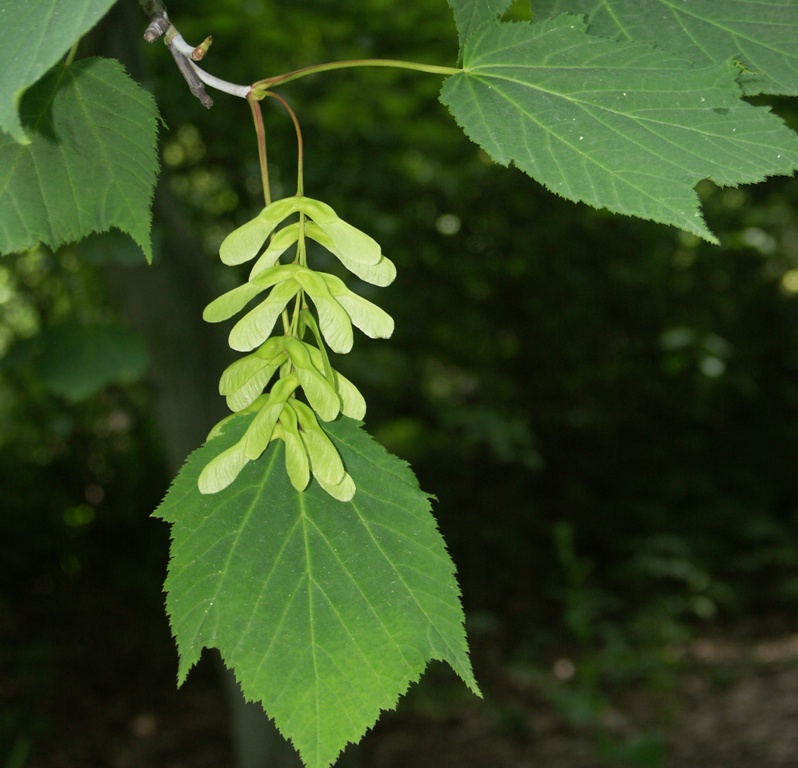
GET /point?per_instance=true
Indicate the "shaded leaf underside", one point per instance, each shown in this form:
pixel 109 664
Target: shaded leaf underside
pixel 325 610
pixel 77 360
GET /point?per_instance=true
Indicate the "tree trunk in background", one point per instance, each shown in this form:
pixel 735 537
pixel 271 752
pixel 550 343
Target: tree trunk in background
pixel 164 304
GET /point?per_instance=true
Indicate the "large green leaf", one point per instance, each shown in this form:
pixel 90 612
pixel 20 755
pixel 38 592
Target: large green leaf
pixel 763 34
pixel 325 610
pixel 622 126
pixel 34 35
pixel 91 163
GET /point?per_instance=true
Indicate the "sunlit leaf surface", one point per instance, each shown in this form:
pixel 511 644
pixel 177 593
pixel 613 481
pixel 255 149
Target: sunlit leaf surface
pixel 622 126
pixel 34 35
pixel 325 610
pixel 762 34
pixel 91 163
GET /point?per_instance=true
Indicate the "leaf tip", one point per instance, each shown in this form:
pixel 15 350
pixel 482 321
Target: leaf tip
pixel 186 661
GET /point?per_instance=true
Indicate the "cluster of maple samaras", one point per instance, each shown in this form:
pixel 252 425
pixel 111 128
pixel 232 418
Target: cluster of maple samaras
pixel 279 414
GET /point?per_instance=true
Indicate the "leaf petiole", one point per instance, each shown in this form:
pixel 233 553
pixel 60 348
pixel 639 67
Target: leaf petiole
pixel 260 87
pixel 71 55
pixel 260 130
pixel 253 98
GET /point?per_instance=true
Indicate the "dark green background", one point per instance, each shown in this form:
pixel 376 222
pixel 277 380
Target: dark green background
pixel 606 410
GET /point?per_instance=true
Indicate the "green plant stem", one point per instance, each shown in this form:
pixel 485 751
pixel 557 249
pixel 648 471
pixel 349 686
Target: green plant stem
pixel 71 55
pixel 300 145
pixel 266 83
pixel 300 298
pixel 260 130
pixel 301 246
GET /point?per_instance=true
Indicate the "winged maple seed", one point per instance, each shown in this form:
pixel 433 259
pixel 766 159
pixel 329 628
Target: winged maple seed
pixel 297 364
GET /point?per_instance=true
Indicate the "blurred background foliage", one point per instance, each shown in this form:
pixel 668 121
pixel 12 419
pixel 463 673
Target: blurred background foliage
pixel 606 409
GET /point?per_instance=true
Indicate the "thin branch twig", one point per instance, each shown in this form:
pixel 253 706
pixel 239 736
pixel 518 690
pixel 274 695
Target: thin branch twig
pixel 159 23
pixel 184 55
pixel 190 75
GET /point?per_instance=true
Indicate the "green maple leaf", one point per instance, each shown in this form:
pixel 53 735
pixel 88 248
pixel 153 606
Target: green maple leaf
pixel 91 163
pixel 761 34
pixel 622 126
pixel 326 611
pixel 34 35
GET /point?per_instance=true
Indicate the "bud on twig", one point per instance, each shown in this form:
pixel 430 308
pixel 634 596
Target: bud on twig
pixel 198 54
